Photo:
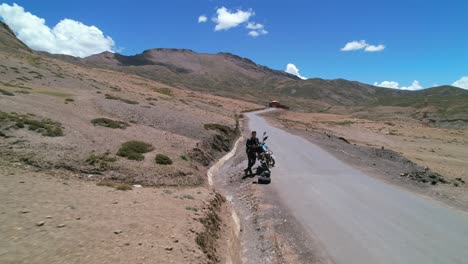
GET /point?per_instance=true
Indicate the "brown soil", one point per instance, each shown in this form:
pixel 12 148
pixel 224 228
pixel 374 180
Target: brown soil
pixel 101 224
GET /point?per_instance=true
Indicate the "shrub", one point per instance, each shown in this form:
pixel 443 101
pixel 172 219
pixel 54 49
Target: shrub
pixel 100 161
pixel 163 90
pixel 190 197
pixel 123 187
pixel 22 92
pixel 184 157
pixel 4 92
pixel 222 128
pixel 191 208
pixel 113 97
pixel 46 127
pixel 134 150
pixel 19 124
pixel 106 122
pixel 163 159
pixel 69 100
pixel 115 185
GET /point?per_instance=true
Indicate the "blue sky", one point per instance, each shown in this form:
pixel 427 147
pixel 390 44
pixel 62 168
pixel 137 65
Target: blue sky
pixel 424 40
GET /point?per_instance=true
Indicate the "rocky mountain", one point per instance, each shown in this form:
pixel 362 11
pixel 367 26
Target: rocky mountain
pixel 233 76
pixel 9 41
pixel 236 77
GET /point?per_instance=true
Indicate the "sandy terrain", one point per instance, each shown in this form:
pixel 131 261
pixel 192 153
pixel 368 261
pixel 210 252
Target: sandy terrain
pixel 101 225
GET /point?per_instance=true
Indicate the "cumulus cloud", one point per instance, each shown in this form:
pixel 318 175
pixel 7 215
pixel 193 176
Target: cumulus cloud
pixel 362 44
pixel 354 45
pixel 67 37
pixel 395 85
pixel 254 33
pixel 462 83
pixel 202 19
pixel 292 69
pixel 372 48
pixel 388 84
pixel 257 29
pixel 226 19
pixel 253 25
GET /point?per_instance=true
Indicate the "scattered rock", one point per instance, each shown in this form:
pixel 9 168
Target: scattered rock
pixel 24 211
pixel 61 226
pixel 78 218
pixel 137 186
pixel 169 248
pixel 344 139
pixel 41 223
pixel 49 216
pixel 117 232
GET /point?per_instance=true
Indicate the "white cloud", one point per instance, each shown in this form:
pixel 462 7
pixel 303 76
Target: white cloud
pixel 292 69
pixel 388 84
pixel 202 19
pixel 253 25
pixel 395 85
pixel 256 33
pixel 462 83
pixel 354 45
pixel 372 48
pixel 67 37
pixel 226 19
pixel 359 45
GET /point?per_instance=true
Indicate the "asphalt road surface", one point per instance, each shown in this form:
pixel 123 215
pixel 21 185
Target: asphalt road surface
pixel 358 218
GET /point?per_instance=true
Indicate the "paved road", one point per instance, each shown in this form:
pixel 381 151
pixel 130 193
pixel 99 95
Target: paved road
pixel 357 218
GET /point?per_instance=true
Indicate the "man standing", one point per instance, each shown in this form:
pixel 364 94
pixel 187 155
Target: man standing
pixel 251 147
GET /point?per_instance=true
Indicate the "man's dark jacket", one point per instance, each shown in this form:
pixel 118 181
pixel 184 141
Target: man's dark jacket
pixel 251 145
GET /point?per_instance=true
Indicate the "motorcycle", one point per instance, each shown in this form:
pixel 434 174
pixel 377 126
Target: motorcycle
pixel 265 154
pixel 267 161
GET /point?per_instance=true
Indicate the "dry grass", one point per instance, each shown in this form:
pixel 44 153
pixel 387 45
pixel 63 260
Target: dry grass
pixel 115 185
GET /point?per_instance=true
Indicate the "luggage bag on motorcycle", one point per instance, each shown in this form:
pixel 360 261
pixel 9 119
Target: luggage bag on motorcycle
pixel 264 177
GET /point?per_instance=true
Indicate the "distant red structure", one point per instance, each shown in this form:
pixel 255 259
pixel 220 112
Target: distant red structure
pixel 277 105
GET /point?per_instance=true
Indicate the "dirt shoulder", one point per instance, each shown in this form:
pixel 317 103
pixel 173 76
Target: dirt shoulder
pixel 422 159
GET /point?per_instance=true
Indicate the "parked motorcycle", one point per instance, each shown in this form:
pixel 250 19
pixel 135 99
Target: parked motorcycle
pixel 267 161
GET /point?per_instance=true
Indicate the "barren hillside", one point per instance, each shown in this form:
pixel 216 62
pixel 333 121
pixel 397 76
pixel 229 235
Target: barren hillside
pixel 62 122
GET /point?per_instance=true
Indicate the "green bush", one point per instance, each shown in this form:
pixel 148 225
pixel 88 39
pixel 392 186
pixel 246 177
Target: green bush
pixel 184 157
pixel 134 150
pixel 106 122
pixel 4 92
pixel 69 100
pixel 101 161
pixel 163 159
